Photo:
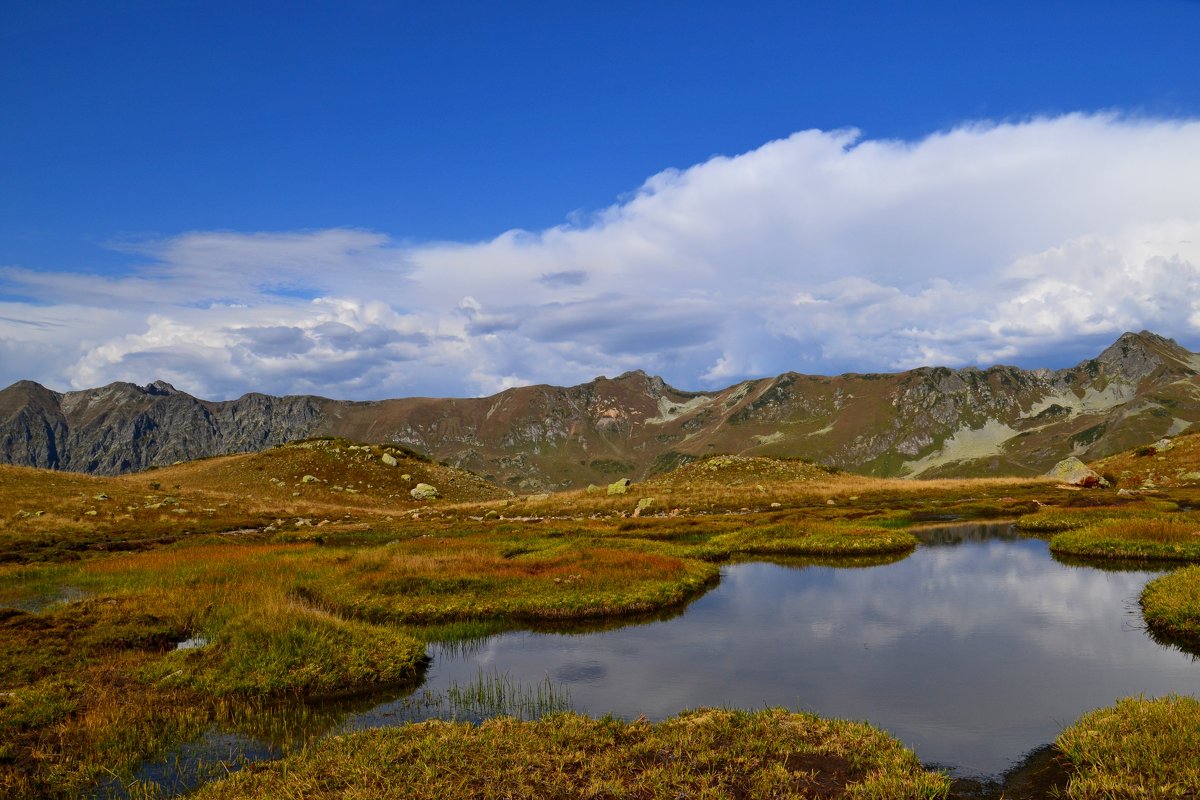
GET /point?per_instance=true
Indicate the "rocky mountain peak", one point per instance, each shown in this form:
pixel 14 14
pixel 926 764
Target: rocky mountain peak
pixel 652 385
pixel 1135 356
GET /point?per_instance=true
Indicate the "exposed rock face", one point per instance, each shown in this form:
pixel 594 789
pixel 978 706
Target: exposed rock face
pixel 122 427
pixel 926 422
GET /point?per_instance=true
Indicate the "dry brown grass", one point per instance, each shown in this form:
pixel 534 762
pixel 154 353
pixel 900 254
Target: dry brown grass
pixel 1177 465
pixel 347 474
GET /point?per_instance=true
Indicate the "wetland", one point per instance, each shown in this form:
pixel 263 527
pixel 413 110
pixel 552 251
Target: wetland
pixel 974 651
pixel 292 641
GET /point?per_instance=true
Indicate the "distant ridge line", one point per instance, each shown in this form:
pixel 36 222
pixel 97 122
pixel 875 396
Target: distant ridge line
pixel 924 422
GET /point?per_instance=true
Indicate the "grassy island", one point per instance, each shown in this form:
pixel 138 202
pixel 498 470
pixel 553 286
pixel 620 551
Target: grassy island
pixel 1171 607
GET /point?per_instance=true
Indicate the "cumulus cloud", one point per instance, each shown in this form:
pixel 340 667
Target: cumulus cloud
pixel 1028 242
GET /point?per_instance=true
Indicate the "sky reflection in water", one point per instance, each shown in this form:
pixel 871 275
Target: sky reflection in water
pixel 972 653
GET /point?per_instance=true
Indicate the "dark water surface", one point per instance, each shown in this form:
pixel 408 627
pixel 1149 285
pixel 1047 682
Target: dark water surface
pixel 973 651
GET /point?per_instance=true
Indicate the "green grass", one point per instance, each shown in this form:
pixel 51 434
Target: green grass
pixel 1175 538
pixel 499 695
pixel 1057 520
pixel 290 649
pixel 1138 748
pixel 698 754
pixel 1171 607
pixel 815 539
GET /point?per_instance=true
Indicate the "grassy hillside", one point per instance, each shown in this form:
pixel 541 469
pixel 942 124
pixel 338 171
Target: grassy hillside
pixel 51 515
pixel 1173 462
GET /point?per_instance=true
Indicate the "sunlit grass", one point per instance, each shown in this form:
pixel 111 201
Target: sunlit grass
pixel 702 754
pixel 1138 748
pixel 442 580
pixel 1174 538
pixel 815 539
pixel 1171 607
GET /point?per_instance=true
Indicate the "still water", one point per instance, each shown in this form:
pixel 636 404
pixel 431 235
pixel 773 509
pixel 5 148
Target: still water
pixel 973 651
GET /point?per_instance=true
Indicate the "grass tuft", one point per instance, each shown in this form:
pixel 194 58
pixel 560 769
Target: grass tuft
pixel 1137 748
pixel 1171 608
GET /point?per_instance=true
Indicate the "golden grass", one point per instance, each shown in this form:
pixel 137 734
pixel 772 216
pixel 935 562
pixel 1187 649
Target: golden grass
pixel 1138 748
pixel 1174 538
pixel 1171 607
pixel 435 580
pixel 702 754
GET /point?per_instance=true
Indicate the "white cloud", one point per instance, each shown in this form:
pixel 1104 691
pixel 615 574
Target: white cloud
pixel 821 252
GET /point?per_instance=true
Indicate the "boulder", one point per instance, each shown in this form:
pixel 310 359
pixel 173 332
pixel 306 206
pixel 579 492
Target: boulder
pixel 390 460
pixel 309 479
pixel 1074 472
pixel 620 487
pixel 424 491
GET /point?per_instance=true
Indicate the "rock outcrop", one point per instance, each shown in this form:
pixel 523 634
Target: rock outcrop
pixel 1074 472
pixel 424 491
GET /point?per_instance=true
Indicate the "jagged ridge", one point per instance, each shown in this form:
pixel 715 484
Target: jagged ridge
pixel 926 422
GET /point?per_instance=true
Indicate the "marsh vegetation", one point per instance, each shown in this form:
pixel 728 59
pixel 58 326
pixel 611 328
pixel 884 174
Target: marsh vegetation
pixel 296 592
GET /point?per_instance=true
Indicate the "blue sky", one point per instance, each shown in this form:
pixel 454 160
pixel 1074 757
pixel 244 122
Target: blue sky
pixel 369 199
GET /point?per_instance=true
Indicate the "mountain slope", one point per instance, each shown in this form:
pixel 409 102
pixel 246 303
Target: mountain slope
pixel 926 422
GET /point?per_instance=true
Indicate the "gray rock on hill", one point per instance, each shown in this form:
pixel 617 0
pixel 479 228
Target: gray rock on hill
pixel 424 491
pixel 1076 473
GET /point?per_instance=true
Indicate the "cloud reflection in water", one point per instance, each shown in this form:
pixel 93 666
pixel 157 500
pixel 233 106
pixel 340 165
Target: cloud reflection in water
pixel 971 653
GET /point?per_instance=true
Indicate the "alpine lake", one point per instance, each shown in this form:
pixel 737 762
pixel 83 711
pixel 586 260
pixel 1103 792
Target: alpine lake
pixel 975 651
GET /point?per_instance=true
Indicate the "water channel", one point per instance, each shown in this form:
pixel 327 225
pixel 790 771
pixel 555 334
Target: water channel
pixel 974 651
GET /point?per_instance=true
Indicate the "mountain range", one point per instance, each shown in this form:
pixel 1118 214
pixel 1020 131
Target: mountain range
pixel 926 422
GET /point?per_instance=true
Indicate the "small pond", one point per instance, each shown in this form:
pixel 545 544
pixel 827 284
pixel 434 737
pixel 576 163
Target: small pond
pixel 975 651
